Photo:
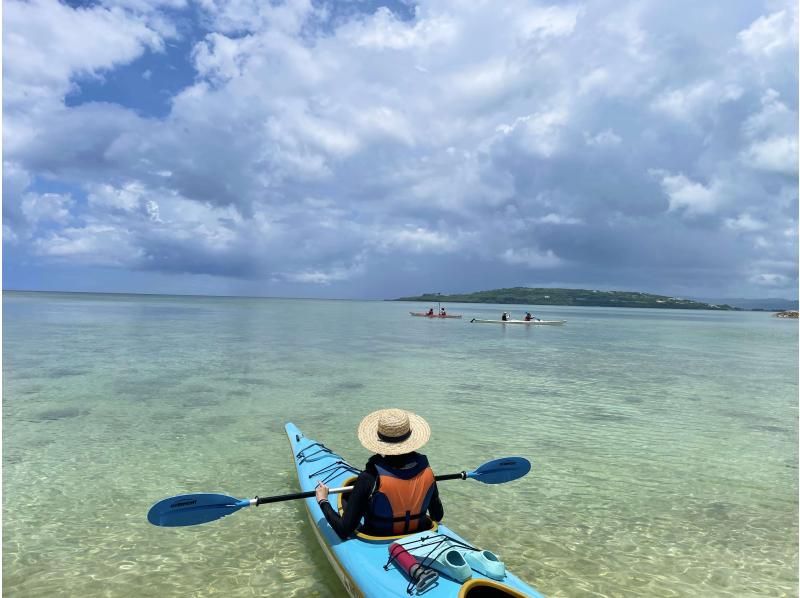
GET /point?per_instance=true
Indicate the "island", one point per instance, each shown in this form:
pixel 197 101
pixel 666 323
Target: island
pixel 588 297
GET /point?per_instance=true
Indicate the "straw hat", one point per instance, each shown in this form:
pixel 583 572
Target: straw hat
pixel 393 432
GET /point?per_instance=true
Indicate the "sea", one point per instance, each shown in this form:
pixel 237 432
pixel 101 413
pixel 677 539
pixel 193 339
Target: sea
pixel 664 443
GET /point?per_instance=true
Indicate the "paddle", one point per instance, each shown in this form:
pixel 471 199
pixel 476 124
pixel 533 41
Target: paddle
pixel 193 509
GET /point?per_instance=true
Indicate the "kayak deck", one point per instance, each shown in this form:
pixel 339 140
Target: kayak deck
pixel 359 562
pixel 525 322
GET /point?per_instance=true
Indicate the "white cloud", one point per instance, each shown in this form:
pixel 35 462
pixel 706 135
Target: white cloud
pixel 773 117
pixel 745 223
pixel 417 240
pixel 531 258
pixel 51 43
pixel 383 30
pixel 538 133
pixel 595 81
pixel 232 16
pixel 692 197
pixel 47 207
pixel 687 103
pixel 772 132
pixel 127 198
pixel 325 276
pixel 558 219
pixel 96 244
pixel 606 138
pixel 775 154
pixel 547 22
pixel 770 34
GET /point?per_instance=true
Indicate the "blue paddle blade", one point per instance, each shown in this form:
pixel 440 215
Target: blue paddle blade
pixel 501 470
pixel 193 509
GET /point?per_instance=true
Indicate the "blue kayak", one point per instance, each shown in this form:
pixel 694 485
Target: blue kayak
pixel 362 562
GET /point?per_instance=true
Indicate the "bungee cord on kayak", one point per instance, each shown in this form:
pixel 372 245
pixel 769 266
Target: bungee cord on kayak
pixel 334 469
pixel 322 449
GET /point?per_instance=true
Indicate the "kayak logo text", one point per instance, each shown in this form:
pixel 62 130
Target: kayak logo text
pixel 182 503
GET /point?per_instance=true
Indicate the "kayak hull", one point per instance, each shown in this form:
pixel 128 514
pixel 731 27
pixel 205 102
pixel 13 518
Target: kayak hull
pixel 359 561
pixel 523 322
pixel 433 317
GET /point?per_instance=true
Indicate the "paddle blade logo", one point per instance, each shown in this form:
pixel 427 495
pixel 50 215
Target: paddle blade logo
pixel 192 509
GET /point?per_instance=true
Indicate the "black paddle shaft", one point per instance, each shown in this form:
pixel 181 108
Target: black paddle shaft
pixel 452 476
pixel 283 497
pixel 294 496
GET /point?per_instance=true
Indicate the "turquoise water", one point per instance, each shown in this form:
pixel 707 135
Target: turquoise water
pixel 665 443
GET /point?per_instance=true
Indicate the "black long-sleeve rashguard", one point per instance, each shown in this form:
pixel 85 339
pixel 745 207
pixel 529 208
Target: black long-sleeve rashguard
pixel 358 500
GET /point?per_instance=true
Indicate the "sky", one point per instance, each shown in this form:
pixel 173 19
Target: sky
pixel 369 150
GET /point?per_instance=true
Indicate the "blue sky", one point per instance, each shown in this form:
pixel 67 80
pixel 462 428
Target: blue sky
pixel 365 149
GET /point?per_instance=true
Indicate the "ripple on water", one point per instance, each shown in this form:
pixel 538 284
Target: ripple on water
pixel 596 414
pixel 66 372
pixel 776 429
pixel 59 413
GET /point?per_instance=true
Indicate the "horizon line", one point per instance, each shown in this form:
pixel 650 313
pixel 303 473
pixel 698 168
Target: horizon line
pixel 338 298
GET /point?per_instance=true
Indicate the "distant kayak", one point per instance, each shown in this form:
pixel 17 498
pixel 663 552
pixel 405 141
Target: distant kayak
pixel 420 314
pixel 525 322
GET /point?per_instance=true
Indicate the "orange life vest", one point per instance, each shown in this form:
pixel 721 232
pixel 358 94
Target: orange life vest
pixel 401 499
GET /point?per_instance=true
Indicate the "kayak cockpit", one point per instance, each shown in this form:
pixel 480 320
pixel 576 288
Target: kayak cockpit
pixel 486 588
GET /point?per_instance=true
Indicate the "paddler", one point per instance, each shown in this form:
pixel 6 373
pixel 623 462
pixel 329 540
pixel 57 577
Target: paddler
pixel 528 316
pixel 397 488
pixel 430 313
pixel 505 316
pixel 443 313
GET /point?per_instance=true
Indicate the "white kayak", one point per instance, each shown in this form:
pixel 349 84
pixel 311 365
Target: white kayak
pixel 525 322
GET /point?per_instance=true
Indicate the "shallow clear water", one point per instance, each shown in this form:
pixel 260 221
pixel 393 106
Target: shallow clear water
pixel 665 443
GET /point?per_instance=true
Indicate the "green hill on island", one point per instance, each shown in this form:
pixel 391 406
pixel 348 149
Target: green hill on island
pixel 531 296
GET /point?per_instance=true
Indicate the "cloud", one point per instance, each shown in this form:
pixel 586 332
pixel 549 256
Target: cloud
pixel 776 154
pixel 47 207
pixel 688 195
pixel 463 144
pixel 384 31
pixel 770 34
pixel 326 276
pixel 417 240
pixel 772 135
pixel 531 258
pixel 51 43
pixel 605 138
pixel 745 223
pixel 95 244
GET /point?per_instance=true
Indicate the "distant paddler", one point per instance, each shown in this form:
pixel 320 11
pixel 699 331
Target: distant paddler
pixel 529 317
pixel 430 313
pixel 504 317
